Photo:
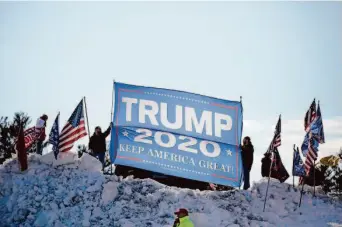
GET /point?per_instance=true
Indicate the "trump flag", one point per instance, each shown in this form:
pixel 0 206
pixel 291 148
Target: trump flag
pixel 177 133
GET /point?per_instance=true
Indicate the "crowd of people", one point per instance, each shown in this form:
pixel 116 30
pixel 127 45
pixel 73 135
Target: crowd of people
pixel 97 146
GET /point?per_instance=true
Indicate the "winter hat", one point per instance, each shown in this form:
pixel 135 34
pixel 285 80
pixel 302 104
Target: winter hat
pixel 182 211
pixel 44 117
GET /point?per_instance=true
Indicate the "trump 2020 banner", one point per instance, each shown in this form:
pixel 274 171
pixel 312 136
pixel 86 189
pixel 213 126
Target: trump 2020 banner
pixel 177 133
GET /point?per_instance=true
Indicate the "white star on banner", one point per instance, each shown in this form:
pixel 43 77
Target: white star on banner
pixel 125 133
pixel 229 152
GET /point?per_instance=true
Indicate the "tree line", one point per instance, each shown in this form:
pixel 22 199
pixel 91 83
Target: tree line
pixel 329 177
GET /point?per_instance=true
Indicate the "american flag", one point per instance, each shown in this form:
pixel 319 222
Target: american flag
pixel 311 142
pixel 311 157
pixel 73 130
pixel 310 116
pixel 31 135
pixel 54 136
pixel 276 142
pixel 310 150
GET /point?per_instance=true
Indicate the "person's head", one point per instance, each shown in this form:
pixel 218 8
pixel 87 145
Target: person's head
pixel 97 130
pixel 44 117
pixel 182 213
pixel 247 140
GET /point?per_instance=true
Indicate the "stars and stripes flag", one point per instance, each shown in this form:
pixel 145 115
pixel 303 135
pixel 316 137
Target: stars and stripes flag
pixel 276 142
pixel 31 135
pixel 73 130
pixel 311 156
pixel 54 137
pixel 310 116
pixel 277 168
pixel 312 140
pixel 312 121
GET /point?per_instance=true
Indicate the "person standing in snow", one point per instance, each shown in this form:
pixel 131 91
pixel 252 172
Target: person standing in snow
pixel 97 143
pixel 247 160
pixel 182 219
pixel 40 131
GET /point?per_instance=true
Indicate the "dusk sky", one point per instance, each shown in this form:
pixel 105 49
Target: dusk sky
pixel 277 55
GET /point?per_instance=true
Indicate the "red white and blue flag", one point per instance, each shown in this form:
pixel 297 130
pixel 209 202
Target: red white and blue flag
pixel 31 135
pixel 314 136
pixel 73 130
pixel 310 116
pixel 276 142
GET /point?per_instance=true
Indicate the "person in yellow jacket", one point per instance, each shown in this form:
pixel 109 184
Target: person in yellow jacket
pixel 183 219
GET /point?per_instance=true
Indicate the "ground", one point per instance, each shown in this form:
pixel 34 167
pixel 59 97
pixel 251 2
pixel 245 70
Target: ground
pixel 73 192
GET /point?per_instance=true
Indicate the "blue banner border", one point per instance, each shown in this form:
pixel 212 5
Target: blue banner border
pixel 236 108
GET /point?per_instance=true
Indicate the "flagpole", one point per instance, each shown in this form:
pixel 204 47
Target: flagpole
pixel 301 192
pixel 240 143
pixel 294 146
pixel 240 180
pixel 111 111
pixel 314 166
pixel 111 120
pixel 86 110
pixel 268 183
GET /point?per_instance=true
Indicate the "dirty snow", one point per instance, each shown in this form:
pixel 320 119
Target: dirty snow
pixel 73 192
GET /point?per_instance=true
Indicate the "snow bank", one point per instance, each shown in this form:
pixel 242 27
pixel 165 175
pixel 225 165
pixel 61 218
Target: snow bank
pixel 90 163
pixel 57 195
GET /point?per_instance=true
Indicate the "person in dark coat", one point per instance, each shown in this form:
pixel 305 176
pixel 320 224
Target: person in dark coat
pixel 247 160
pixel 97 143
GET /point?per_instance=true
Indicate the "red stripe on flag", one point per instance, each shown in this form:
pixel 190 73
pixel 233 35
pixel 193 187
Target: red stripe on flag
pixel 67 146
pixel 72 138
pixel 71 131
pixel 70 135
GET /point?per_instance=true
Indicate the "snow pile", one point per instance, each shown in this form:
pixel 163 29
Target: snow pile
pixel 75 193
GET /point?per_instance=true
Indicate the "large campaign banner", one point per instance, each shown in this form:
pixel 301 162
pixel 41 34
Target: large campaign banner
pixel 177 133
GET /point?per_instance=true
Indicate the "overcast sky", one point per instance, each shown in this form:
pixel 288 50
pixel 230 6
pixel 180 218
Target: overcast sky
pixel 278 56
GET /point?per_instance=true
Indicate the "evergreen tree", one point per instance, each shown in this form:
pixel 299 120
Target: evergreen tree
pixel 6 141
pixel 332 182
pixel 9 132
pixel 19 119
